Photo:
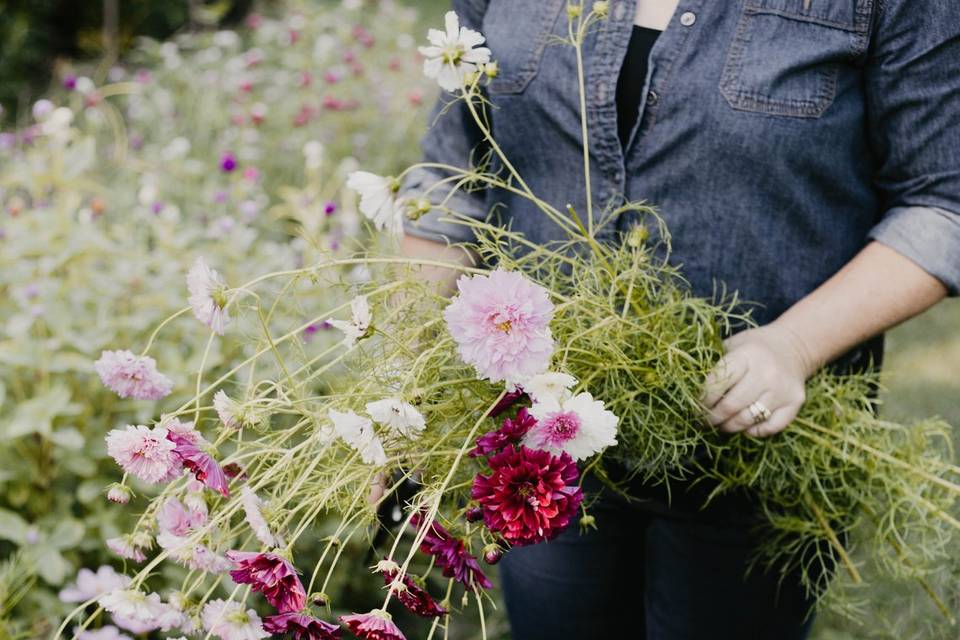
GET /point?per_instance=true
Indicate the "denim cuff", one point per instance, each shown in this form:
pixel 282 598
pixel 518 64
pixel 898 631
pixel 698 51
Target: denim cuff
pixel 436 225
pixel 927 235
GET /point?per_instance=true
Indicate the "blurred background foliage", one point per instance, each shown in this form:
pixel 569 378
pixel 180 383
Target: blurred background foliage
pixel 115 211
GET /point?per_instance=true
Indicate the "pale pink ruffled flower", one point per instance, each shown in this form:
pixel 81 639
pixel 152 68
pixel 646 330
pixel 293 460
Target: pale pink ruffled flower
pixel 578 425
pixel 226 410
pixel 229 621
pixel 89 585
pixel 173 517
pixel 145 453
pixel 132 376
pixel 208 296
pixel 125 547
pixel 253 508
pixel 453 53
pixel 193 555
pixel 106 632
pixel 501 324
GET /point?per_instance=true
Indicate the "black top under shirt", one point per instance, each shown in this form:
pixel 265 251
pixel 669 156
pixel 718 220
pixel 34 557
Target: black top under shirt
pixel 633 75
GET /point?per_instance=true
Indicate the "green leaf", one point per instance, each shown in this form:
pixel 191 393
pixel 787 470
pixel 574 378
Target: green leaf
pixel 90 490
pixel 51 565
pixel 36 415
pixel 67 533
pixel 68 438
pixel 13 527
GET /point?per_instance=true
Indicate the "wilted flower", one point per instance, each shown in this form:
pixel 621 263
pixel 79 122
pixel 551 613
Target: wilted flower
pixel 409 592
pixel 129 375
pixel 208 296
pixel 511 431
pixel 501 324
pixel 451 555
pixel 453 53
pixel 400 416
pixel 300 626
pixel 271 575
pixel 229 621
pixel 358 432
pixel 126 547
pixel 376 625
pixel 549 386
pixel 378 200
pixel 89 585
pixel 252 507
pixel 144 452
pixel 579 425
pixel 358 327
pixel 529 496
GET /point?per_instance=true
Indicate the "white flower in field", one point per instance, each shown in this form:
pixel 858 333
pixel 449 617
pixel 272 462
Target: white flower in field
pixel 549 386
pixel 92 585
pixel 400 416
pixel 57 124
pixel 358 432
pixel 228 620
pixel 578 425
pixel 453 53
pixel 378 200
pixel 106 632
pixel 126 547
pixel 313 154
pixel 192 555
pixel 253 508
pixel 226 409
pixel 358 326
pixel 208 296
pixel 136 606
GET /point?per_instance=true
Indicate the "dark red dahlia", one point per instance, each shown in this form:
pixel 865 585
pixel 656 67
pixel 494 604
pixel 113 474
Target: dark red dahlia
pixel 301 627
pixel 376 625
pixel 410 594
pixel 271 575
pixel 506 402
pixel 530 495
pixel 451 555
pixel 511 431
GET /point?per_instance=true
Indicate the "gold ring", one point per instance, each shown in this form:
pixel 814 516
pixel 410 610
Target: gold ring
pixel 759 412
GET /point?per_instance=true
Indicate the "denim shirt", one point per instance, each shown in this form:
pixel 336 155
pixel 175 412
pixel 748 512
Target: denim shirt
pixel 776 137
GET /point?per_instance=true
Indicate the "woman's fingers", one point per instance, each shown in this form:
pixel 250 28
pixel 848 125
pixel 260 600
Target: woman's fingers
pixel 743 419
pixel 727 373
pixel 779 421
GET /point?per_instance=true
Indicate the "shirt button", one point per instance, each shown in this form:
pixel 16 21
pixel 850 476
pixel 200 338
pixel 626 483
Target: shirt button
pixel 602 92
pixel 653 97
pixel 618 11
pixel 688 18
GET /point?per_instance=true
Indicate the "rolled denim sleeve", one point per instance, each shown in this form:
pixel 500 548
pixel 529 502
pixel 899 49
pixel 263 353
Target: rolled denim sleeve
pixel 452 139
pixel 913 108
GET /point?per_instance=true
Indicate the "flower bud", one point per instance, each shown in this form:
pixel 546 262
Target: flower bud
pixel 491 69
pixel 387 566
pixel 492 553
pixel 474 514
pixel 601 8
pixel 119 493
pixel 142 540
pixel 638 235
pixel 574 10
pixel 588 522
pixel 418 207
pixel 319 599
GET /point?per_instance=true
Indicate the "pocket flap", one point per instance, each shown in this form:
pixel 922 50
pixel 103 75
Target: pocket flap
pixel 850 15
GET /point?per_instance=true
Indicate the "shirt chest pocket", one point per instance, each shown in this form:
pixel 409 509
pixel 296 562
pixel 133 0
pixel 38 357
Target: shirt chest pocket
pixel 786 55
pixel 518 32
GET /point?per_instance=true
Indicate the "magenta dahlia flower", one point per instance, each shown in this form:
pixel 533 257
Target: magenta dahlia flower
pixel 530 496
pixel 501 324
pixel 376 625
pixel 132 376
pixel 300 626
pixel 508 400
pixel 511 431
pixel 409 592
pixel 145 453
pixel 271 575
pixel 451 555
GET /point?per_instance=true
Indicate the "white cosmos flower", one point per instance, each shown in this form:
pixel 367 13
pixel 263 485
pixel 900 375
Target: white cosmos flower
pixel 229 621
pixel 91 585
pixel 358 432
pixel 400 416
pixel 549 386
pixel 359 323
pixel 208 296
pixel 453 53
pixel 378 200
pixel 578 425
pixel 253 508
pixel 136 606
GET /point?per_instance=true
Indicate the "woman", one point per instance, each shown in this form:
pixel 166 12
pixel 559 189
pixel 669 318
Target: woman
pixel 805 153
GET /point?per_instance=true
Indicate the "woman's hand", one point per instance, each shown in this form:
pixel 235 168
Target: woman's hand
pixel 768 365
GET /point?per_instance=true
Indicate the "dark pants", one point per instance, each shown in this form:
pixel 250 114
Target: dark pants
pixel 652 575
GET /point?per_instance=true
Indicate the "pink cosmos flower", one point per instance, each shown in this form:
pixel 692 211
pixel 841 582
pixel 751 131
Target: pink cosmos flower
pixel 511 431
pixel 132 376
pixel 228 620
pixel 106 632
pixel 89 585
pixel 174 518
pixel 125 547
pixel 188 443
pixel 530 496
pixel 578 425
pixel 451 555
pixel 501 324
pixel 376 625
pixel 208 296
pixel 193 555
pixel 271 575
pixel 299 626
pixel 144 452
pixel 409 592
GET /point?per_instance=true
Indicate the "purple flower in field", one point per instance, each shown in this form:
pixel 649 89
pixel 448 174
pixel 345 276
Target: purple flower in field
pixel 272 575
pixel 228 162
pixel 376 625
pixel 129 375
pixel 451 555
pixel 330 208
pixel 70 82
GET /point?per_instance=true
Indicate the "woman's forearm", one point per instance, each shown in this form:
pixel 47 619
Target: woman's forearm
pixel 414 247
pixel 877 290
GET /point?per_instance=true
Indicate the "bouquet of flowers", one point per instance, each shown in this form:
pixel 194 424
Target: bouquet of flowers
pixel 496 403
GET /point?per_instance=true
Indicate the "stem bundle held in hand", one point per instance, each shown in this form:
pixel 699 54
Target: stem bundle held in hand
pixel 561 360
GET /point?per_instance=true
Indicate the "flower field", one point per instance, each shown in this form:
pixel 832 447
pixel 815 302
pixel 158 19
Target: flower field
pixel 209 351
